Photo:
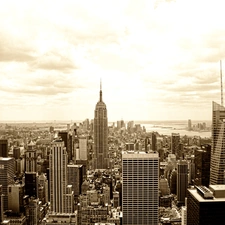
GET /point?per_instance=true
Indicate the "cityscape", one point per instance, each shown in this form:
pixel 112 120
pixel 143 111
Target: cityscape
pixel 92 173
pixel 112 112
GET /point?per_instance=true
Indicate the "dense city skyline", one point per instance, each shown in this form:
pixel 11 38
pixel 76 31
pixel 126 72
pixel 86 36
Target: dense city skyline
pixel 158 60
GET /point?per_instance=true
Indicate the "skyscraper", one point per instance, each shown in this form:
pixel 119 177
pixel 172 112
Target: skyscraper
pixel 100 160
pixel 175 140
pixel 217 166
pixel 182 181
pixel 205 206
pixel 60 198
pixel 3 148
pixel 31 158
pixel 31 184
pixel 189 125
pixel 67 139
pixel 202 165
pixel 6 177
pixel 140 188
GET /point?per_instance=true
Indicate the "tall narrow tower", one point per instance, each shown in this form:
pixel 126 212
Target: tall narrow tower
pixel 60 193
pixel 100 160
pixel 182 181
pixel 217 166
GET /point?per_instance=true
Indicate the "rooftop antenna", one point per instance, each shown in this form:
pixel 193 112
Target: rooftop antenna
pixel 101 90
pixel 221 80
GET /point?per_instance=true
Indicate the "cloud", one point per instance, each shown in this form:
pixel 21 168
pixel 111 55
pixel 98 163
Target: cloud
pixel 52 61
pixel 40 85
pixel 54 53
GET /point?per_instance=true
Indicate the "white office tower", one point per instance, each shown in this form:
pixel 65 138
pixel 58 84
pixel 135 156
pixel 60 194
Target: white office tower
pixel 140 188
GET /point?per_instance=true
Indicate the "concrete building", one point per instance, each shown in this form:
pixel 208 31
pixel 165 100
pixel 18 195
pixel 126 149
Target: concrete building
pixel 57 218
pixel 140 197
pixel 91 215
pixel 15 197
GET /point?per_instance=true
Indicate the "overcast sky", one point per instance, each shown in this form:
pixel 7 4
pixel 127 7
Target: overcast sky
pixel 158 60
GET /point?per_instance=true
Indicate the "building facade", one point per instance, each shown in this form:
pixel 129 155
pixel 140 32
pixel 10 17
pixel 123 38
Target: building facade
pixel 140 188
pixel 6 177
pixel 182 181
pixel 204 206
pixel 60 197
pixel 31 158
pixel 175 140
pixel 202 165
pixel 3 148
pixel 217 166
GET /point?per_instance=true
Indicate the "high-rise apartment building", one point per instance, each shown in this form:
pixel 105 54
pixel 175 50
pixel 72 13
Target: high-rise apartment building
pixel 6 177
pixel 217 166
pixel 182 181
pixel 3 148
pixel 100 160
pixel 140 198
pixel 60 192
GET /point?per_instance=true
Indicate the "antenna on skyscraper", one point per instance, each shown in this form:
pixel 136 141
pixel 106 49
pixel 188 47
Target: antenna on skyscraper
pixel 221 82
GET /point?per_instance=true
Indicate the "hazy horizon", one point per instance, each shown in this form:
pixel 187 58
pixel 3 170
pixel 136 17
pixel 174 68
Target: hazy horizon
pixel 69 121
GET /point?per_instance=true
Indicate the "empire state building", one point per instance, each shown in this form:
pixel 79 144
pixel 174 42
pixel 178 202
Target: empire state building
pixel 100 160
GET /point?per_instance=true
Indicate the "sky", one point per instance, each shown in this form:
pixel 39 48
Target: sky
pixel 158 60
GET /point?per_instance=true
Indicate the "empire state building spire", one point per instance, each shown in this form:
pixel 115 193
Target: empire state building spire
pixel 100 158
pixel 100 90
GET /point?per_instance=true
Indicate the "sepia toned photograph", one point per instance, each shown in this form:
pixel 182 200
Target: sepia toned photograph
pixel 112 112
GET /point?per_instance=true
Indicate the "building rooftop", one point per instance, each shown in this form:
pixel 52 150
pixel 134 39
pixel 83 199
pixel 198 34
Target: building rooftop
pixel 219 187
pixel 194 193
pixel 5 158
pixel 140 154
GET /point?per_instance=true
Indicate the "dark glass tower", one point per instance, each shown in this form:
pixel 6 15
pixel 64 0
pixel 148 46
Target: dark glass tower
pixel 217 166
pixel 100 160
pixel 3 148
pixel 182 181
pixel 202 165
